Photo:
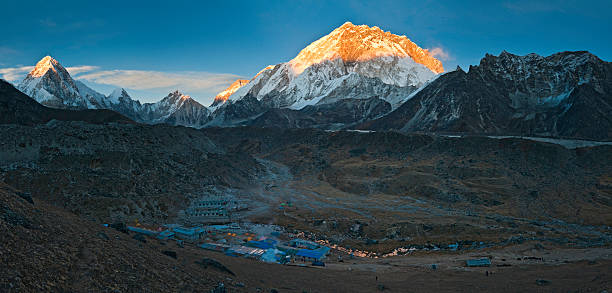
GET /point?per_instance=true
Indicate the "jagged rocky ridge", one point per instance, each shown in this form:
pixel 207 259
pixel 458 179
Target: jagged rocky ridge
pixel 567 94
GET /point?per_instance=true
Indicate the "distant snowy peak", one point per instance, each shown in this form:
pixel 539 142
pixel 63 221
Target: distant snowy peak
pixel 174 98
pixel 50 84
pixel 359 43
pixel 225 94
pixel 117 94
pixel 176 109
pixel 168 105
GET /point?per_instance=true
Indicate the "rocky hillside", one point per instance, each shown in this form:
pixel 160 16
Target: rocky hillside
pixel 513 177
pixel 117 172
pixel 46 249
pixel 567 94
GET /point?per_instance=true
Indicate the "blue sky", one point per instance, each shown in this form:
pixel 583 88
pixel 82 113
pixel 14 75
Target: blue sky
pixel 151 47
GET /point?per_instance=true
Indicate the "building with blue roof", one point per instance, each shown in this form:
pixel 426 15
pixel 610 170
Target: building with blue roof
pixel 191 234
pixel 165 235
pixel 142 231
pixel 300 243
pixel 483 262
pixel 263 244
pixel 308 255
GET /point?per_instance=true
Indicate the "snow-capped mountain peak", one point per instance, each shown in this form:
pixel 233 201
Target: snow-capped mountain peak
pixel 177 109
pixel 50 84
pixel 45 64
pixel 172 101
pixel 355 43
pixel 177 96
pixel 117 94
pixel 351 62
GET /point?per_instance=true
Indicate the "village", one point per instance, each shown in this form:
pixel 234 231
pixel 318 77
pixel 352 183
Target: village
pixel 213 223
pixel 208 223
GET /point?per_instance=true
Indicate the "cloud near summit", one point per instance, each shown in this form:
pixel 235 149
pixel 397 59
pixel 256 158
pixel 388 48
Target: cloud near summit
pixel 440 53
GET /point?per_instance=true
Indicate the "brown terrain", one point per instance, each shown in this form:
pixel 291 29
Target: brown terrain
pixel 540 211
pixel 48 249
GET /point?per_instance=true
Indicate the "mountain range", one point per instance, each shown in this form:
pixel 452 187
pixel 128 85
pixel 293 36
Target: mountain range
pixel 568 94
pixel 18 108
pixel 361 77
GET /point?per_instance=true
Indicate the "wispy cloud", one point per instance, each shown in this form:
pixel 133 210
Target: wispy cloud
pixel 188 81
pixel 74 70
pixel 15 74
pixel 440 53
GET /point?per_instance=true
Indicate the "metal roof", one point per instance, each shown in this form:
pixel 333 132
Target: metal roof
pixel 188 231
pixel 141 230
pixel 166 233
pixel 478 262
pixel 316 254
pixel 265 244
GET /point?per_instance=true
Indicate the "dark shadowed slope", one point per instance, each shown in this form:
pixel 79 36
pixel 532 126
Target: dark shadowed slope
pixel 46 249
pixel 17 108
pixel 567 94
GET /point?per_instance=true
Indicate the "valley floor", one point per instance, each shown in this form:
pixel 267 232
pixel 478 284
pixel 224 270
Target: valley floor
pixel 563 270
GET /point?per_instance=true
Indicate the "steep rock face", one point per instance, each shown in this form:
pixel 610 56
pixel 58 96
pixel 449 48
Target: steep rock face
pixel 566 94
pixel 352 62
